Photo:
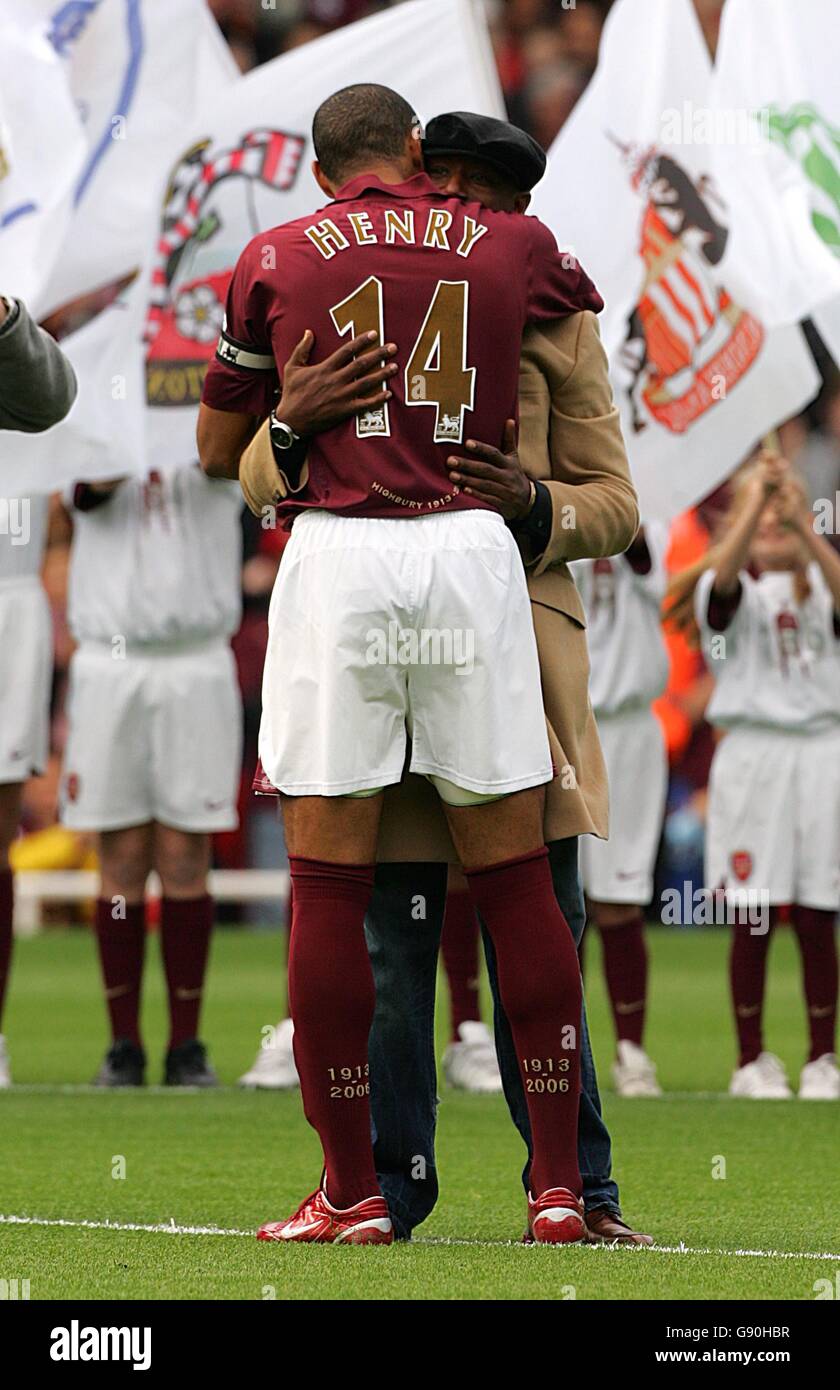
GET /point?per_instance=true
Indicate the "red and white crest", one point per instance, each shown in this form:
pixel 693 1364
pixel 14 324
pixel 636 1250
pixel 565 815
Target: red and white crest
pixel 685 336
pixel 212 195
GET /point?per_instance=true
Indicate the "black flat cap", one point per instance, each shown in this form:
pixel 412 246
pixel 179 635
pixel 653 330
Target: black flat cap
pixel 505 146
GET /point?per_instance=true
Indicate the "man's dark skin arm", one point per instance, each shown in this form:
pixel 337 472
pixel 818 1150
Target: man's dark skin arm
pixel 221 436
pixel 314 398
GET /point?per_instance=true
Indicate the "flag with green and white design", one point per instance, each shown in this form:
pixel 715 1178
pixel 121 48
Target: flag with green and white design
pixel 777 63
pixel 814 142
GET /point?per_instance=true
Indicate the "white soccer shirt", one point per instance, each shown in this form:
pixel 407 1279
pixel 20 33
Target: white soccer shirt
pixel 627 654
pixel 778 665
pixel 159 561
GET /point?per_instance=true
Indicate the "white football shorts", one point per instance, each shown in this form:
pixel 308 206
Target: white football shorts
pixel 154 736
pixel 620 869
pixel 773 821
pixel 382 628
pixel 25 679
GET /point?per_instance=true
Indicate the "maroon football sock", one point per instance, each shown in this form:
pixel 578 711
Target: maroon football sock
pixel 185 927
pixel 747 971
pixel 818 946
pixel 6 912
pixel 625 970
pixel 122 944
pixel 459 946
pixel 539 983
pixel 331 1000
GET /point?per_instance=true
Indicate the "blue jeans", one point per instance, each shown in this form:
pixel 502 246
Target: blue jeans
pixel 403 930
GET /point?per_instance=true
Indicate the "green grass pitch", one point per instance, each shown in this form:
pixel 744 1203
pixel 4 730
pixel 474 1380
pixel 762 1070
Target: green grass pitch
pixel 230 1159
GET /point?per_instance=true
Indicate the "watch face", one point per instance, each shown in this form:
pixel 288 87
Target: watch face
pixel 281 434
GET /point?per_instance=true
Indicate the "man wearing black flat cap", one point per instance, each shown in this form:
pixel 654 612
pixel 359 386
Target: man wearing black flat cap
pixel 567 495
pixel 495 145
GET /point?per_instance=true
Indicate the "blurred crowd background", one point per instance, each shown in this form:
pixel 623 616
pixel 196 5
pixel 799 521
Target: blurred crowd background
pixel 546 52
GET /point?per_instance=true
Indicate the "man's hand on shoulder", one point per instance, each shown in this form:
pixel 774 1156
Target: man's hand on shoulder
pixel 315 397
pixel 495 476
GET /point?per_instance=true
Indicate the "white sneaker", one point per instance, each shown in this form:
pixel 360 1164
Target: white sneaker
pixel 5 1066
pixel 470 1064
pixel 274 1068
pixel 820 1080
pixel 763 1079
pixel 634 1074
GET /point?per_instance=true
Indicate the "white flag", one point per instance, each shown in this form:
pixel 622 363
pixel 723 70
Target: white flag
pixel 779 62
pixel 138 71
pixel 242 166
pixel 41 152
pixel 698 378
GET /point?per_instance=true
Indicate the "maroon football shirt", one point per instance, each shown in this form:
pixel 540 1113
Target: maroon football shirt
pixel 451 283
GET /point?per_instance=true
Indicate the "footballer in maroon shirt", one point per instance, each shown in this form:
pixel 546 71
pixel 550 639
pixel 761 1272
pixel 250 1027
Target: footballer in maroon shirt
pixel 401 610
pixel 450 282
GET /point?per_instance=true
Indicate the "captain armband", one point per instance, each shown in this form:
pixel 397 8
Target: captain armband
pixel 235 354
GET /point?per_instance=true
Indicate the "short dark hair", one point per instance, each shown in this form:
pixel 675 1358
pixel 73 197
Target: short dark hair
pixel 360 123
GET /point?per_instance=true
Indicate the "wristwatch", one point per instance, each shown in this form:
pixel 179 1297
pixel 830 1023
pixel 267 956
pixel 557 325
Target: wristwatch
pixel 282 435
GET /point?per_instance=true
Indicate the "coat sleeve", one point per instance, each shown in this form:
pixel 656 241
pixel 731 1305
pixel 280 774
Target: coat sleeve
pixel 570 438
pixel 37 383
pixel 263 482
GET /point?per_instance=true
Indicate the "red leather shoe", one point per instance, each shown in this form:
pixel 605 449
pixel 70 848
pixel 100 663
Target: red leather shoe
pixel 317 1222
pixel 555 1217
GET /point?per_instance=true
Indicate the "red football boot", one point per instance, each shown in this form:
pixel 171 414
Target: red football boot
pixel 316 1222
pixel 555 1218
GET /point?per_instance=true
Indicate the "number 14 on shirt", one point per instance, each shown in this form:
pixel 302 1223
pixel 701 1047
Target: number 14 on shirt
pixel 436 374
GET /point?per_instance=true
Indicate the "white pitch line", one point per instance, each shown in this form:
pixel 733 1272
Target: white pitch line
pixel 163 1228
pixel 649 1249
pixel 170 1228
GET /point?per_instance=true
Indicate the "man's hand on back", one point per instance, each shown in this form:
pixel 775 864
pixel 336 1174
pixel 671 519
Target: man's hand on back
pixel 314 398
pixel 495 476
